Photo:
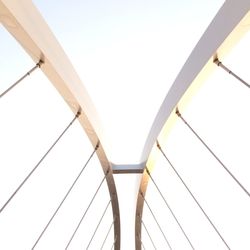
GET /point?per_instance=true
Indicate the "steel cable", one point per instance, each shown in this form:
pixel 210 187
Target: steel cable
pixel 38 164
pixel 85 212
pixel 38 65
pixel 177 221
pixel 214 155
pixel 192 195
pixel 64 198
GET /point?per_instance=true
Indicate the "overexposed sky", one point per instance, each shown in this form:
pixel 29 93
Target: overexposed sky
pixel 127 55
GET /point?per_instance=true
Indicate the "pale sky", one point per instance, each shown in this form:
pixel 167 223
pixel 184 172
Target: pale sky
pixel 127 54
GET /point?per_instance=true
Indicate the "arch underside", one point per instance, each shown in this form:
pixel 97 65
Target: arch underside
pixel 25 23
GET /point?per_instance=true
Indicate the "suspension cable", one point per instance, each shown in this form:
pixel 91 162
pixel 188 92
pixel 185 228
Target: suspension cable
pixel 220 64
pixel 139 237
pixel 190 192
pixel 108 233
pixel 156 221
pixel 38 65
pixel 85 212
pixel 143 245
pixel 148 233
pixel 114 243
pixel 65 197
pixel 210 150
pixel 191 245
pixel 106 208
pixel 39 162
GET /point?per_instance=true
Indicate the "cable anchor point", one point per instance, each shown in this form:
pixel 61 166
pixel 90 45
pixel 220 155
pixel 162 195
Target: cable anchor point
pixel 97 145
pixel 147 170
pixel 177 112
pixel 217 61
pixel 40 63
pixel 78 113
pixel 158 144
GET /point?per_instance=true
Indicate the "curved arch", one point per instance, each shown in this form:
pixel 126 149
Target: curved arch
pixel 229 25
pixel 25 23
pixel 217 40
